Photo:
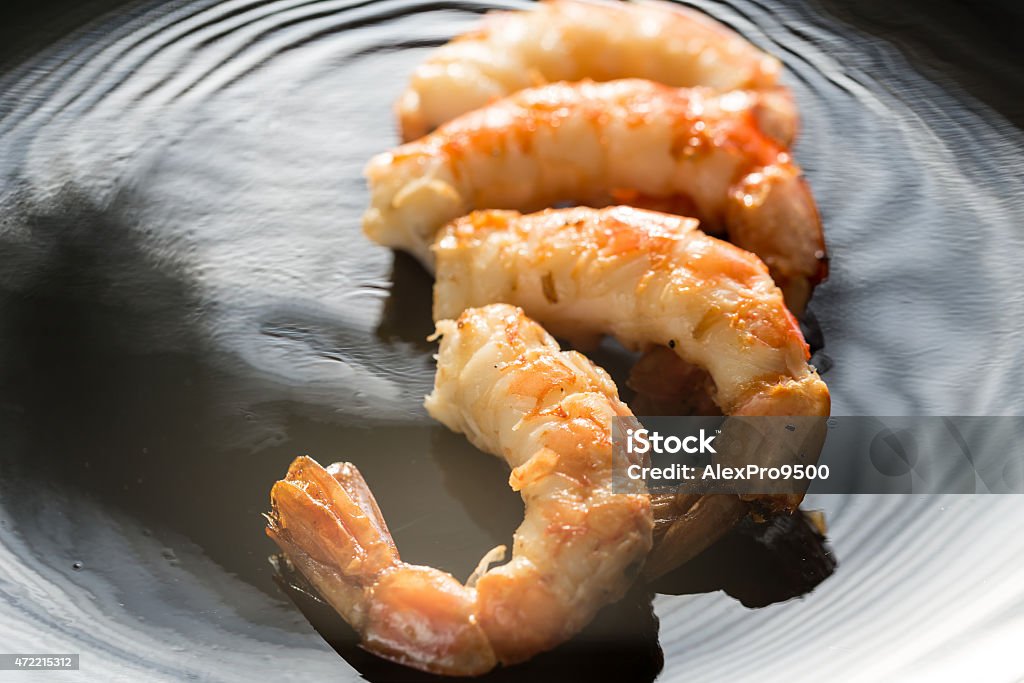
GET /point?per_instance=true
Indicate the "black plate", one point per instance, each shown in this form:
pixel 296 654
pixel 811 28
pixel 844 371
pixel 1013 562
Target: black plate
pixel 187 302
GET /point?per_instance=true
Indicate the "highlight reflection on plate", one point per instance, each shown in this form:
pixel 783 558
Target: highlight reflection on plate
pixel 186 303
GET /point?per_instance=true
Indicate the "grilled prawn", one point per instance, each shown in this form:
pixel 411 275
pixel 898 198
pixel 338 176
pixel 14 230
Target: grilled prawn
pixel 503 381
pixel 617 142
pixel 659 285
pixel 569 40
pixel 646 278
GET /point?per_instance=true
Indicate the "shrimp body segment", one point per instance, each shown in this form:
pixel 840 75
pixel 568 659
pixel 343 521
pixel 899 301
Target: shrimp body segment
pixel 503 381
pixel 648 279
pixel 569 40
pixel 628 141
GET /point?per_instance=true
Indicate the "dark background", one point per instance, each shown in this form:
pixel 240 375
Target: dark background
pixel 951 40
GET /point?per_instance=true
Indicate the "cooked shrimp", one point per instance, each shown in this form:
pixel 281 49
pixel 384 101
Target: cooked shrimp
pixel 596 143
pixel 503 381
pixel 657 284
pixel 569 40
pixel 646 278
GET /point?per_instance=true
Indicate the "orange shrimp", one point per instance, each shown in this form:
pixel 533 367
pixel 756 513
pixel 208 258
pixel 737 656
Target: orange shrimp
pixel 658 285
pixel 503 381
pixel 598 143
pixel 569 40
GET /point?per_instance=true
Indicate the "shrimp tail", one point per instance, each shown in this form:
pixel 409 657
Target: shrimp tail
pixel 772 213
pixel 327 523
pixel 339 544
